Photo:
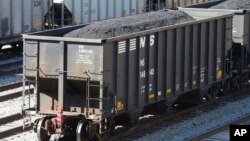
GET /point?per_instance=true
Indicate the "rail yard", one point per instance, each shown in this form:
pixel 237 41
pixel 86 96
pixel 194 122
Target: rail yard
pixel 124 70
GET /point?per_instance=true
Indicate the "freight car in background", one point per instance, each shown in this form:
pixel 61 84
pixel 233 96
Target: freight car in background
pixel 20 16
pixel 83 86
pixel 86 11
pixel 173 4
pixel 24 16
pixel 240 35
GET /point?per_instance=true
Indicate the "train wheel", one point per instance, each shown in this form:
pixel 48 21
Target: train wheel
pixel 81 131
pixel 41 132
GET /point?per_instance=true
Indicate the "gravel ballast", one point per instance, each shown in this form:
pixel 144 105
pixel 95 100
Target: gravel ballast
pixel 131 24
pixel 204 121
pixel 233 4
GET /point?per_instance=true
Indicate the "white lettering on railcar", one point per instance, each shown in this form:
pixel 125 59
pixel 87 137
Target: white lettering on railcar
pixel 142 91
pixel 132 44
pixel 85 56
pixel 159 93
pixel 177 87
pixel 142 42
pixel 202 74
pixel 121 47
pixel 143 74
pixel 142 62
pixel 152 71
pixel 152 40
pixel 185 84
pixel 218 65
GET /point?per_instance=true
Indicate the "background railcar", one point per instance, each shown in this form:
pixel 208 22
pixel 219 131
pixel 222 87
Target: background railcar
pixel 20 16
pixel 25 16
pixel 90 82
pixel 85 11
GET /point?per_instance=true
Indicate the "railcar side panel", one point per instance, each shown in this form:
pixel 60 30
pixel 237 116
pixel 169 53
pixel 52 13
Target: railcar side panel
pixel 152 67
pixel 171 43
pixel 220 52
pixel 76 11
pixel 204 54
pixel 196 56
pixel 141 6
pixel 119 8
pixel 188 58
pixel 134 7
pixel 180 42
pixel 5 18
pixel 86 11
pixel 212 51
pixel 161 65
pixel 126 7
pixel 103 6
pixel 133 66
pixel 143 65
pixel 121 74
pixel 111 8
pixel 94 10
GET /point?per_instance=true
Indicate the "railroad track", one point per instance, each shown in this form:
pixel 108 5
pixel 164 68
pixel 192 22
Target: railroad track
pixel 10 86
pixel 12 124
pixel 151 122
pixel 142 129
pixel 220 128
pixel 11 68
pixel 11 50
pixel 15 126
pixel 10 63
pixel 11 72
pixel 4 97
pixel 9 55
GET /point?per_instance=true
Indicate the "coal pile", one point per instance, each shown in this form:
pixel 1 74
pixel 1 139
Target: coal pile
pixel 130 24
pixel 233 4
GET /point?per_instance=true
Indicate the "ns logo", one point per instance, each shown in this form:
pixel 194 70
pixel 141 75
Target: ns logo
pixel 143 41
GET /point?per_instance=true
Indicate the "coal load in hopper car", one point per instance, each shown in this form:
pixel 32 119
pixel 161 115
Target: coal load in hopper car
pixel 131 24
pixel 89 79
